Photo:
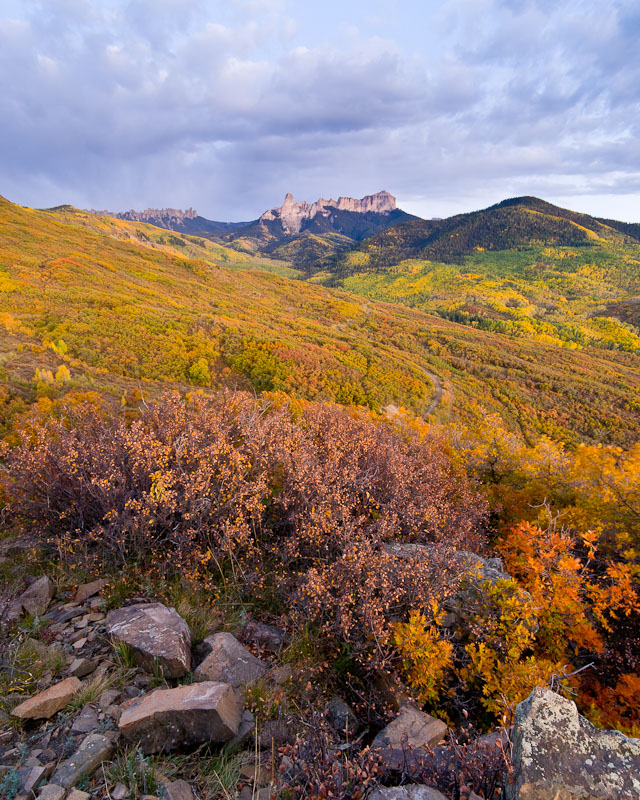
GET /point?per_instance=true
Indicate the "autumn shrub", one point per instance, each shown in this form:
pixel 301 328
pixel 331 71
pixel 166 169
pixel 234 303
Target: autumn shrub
pixel 298 504
pixel 181 479
pixel 468 767
pixel 319 766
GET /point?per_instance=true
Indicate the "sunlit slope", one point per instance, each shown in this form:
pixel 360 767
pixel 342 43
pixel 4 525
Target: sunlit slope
pixel 523 268
pixel 193 247
pixel 117 311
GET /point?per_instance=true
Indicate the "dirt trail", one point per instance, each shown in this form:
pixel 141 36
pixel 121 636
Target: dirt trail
pixel 437 398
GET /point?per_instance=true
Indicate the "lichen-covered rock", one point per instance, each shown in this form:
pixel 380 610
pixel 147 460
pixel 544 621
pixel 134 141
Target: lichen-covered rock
pixel 408 737
pixel 559 754
pixel 157 635
pixel 47 703
pixel 188 715
pixel 229 662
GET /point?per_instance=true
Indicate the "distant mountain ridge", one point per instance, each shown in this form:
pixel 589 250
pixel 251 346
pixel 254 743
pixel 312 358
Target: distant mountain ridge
pixel 511 224
pixel 305 234
pixel 174 219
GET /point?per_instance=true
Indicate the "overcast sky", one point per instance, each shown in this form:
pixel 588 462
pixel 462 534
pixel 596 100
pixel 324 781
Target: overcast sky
pixel 225 105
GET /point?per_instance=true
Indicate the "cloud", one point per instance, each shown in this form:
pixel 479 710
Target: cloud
pixel 225 106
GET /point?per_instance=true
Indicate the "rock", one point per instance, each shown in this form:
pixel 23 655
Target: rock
pixel 280 674
pixel 109 697
pixel 87 590
pixel 267 637
pixel 95 749
pixel 119 792
pixel 341 716
pixel 409 792
pixel 247 727
pixel 178 790
pixel 79 643
pixel 229 662
pixel 188 715
pixel 557 754
pixel 408 737
pixel 46 704
pixel 37 597
pixel 86 721
pixel 76 794
pixel 81 667
pixel 51 792
pixel 274 733
pixel 471 597
pixel 157 634
pixel 33 778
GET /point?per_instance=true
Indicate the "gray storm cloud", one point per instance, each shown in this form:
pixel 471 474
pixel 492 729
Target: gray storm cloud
pixel 131 104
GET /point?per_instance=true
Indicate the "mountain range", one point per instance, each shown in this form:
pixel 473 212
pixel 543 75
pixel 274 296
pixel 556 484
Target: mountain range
pixel 307 234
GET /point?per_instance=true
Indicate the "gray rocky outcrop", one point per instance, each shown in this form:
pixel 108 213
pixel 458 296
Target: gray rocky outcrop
pixel 475 571
pixel 229 662
pixel 559 754
pixel 408 737
pixel 188 715
pixel 157 635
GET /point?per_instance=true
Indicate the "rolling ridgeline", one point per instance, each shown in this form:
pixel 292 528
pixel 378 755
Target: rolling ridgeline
pixel 268 414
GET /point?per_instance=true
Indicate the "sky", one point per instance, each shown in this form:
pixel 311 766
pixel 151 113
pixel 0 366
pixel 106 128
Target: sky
pixel 226 105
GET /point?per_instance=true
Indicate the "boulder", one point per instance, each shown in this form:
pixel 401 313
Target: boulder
pixel 47 703
pixel 229 662
pixel 119 792
pixel 557 754
pixel 408 737
pixel 188 715
pixel 245 731
pixel 409 792
pixel 157 635
pixel 35 600
pixel 95 749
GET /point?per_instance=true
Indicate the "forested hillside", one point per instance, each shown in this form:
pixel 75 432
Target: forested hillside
pixel 78 290
pixel 522 268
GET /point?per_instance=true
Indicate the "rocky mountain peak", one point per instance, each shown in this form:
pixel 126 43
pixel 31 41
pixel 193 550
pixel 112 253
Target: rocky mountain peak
pixel 293 214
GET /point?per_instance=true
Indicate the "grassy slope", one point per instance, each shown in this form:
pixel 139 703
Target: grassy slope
pixel 128 312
